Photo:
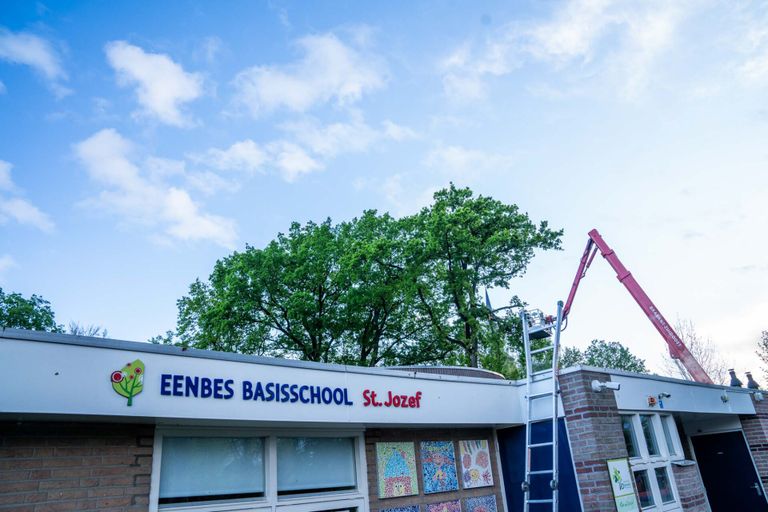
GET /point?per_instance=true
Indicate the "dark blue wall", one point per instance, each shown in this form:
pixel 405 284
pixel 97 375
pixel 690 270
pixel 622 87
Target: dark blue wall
pixel 512 450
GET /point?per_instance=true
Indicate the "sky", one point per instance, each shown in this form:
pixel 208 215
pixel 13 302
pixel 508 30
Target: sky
pixel 140 142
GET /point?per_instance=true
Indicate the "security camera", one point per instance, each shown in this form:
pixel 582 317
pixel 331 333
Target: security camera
pixel 664 395
pixel 598 386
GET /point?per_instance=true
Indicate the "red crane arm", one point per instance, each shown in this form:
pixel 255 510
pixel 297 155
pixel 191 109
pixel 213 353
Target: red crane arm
pixel 677 348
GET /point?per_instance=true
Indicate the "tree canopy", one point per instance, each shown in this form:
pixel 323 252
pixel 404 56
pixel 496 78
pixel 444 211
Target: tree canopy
pixel 34 313
pixel 374 290
pixel 603 354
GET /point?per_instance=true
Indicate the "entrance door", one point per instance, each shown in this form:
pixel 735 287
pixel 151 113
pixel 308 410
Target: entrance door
pixel 728 473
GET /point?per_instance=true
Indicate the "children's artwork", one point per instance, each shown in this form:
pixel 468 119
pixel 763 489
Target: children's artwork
pixel 413 508
pixel 480 504
pixel 438 462
pixel 396 469
pixel 475 464
pixel 445 506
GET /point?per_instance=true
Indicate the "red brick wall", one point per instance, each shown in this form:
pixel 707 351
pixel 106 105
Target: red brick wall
pixel 693 496
pixel 594 429
pixel 74 466
pixel 756 431
pixel 416 435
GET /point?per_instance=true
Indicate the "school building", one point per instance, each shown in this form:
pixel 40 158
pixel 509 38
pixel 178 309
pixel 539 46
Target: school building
pixel 91 424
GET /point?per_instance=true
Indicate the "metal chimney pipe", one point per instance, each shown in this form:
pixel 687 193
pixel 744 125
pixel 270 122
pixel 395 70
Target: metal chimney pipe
pixel 735 382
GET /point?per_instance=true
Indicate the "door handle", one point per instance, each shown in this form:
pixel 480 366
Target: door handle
pixel 757 488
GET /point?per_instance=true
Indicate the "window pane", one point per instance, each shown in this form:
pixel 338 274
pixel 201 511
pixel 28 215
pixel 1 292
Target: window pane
pixel 643 489
pixel 207 468
pixel 646 420
pixel 315 464
pixel 665 423
pixel 629 435
pixel 667 496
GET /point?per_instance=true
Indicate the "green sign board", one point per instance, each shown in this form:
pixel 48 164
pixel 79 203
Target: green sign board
pixel 622 485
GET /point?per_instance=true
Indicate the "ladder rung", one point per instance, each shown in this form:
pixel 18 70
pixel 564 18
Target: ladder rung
pixel 540 395
pixel 538 445
pixel 539 350
pixel 540 472
pixel 543 327
pixel 539 501
pixel 541 372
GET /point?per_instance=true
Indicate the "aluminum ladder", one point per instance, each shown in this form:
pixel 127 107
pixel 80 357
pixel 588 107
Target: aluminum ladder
pixel 538 327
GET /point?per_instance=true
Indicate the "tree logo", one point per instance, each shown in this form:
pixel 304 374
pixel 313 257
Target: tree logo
pixel 129 381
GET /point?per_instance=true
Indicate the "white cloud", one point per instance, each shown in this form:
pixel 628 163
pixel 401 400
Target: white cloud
pixel 6 262
pixel 6 183
pixel 291 160
pixel 329 70
pixel 307 147
pixel 24 212
pixel 335 138
pixel 16 208
pixel 618 38
pixel 35 52
pixel 145 196
pixel 461 160
pixel 245 155
pixel 162 85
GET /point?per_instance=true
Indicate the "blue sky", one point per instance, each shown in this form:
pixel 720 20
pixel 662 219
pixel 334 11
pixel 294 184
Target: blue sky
pixel 142 141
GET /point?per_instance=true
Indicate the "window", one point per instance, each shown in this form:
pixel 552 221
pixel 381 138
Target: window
pixel 211 468
pixel 646 420
pixel 668 424
pixel 652 443
pixel 629 435
pixel 643 487
pixel 315 464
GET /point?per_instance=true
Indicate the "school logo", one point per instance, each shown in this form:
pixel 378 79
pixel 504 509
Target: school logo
pixel 129 381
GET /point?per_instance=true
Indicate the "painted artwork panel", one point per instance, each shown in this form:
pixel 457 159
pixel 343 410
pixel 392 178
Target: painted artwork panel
pixel 412 508
pixel 475 464
pixel 445 506
pixel 480 504
pixel 438 463
pixel 396 469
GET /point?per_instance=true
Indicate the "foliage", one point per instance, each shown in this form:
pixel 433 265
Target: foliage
pixel 95 331
pixel 374 290
pixel 703 350
pixel 762 351
pixel 463 243
pixel 603 354
pixel 34 313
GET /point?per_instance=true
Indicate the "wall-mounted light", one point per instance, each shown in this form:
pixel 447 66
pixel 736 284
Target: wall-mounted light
pixel 758 396
pixel 598 386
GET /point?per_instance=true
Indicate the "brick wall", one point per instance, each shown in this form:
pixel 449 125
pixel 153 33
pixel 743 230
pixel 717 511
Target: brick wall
pixel 756 431
pixel 74 466
pixel 416 435
pixel 594 429
pixel 693 496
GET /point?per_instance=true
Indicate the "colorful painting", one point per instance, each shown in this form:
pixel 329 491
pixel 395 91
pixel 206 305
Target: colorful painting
pixel 128 381
pixel 396 469
pixel 438 462
pixel 480 504
pixel 412 508
pixel 445 506
pixel 475 464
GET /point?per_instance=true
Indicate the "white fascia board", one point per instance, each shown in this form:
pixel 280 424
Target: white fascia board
pixel 58 378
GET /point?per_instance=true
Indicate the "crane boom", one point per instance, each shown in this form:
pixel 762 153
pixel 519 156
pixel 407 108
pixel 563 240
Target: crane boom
pixel 677 348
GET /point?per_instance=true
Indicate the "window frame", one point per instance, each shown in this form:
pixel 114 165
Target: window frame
pixel 270 502
pixel 644 461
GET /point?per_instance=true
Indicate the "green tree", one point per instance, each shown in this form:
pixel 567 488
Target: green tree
pixel 34 313
pixel 463 243
pixel 321 292
pixel 603 354
pixel 762 351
